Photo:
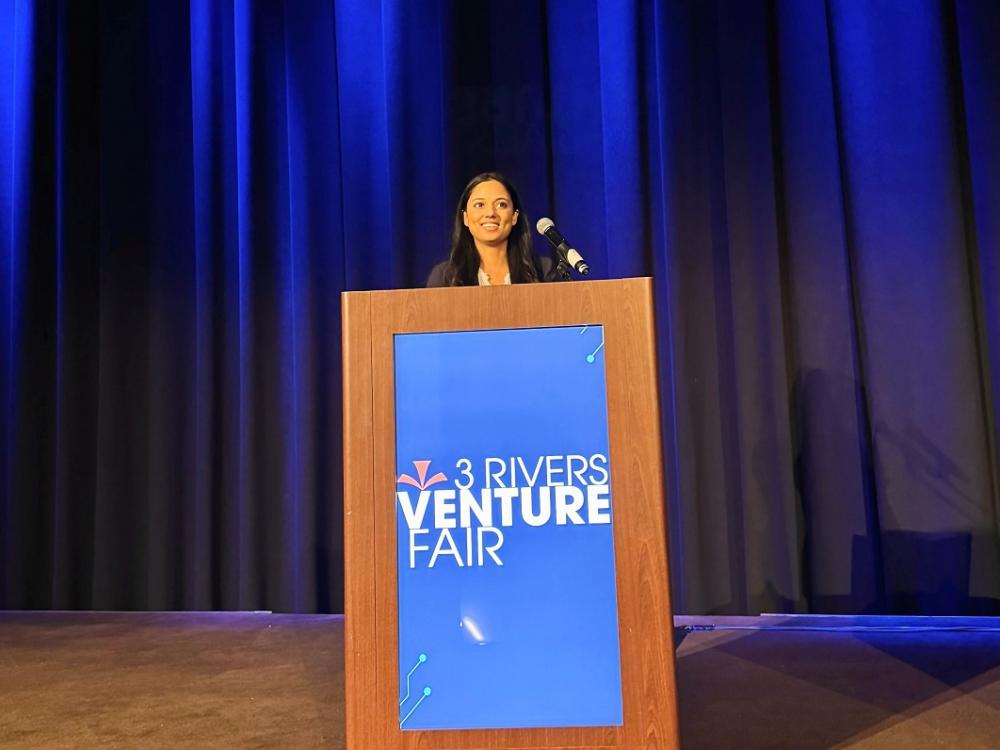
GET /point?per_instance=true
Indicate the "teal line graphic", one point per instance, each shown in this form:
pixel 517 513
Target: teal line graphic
pixel 593 355
pixel 420 660
pixel 427 691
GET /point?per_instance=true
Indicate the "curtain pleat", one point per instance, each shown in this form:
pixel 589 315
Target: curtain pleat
pixel 185 191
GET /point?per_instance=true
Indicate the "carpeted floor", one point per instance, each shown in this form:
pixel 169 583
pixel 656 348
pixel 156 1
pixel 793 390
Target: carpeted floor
pixel 839 682
pixel 178 680
pixel 257 680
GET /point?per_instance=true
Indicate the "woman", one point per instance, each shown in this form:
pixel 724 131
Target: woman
pixel 490 239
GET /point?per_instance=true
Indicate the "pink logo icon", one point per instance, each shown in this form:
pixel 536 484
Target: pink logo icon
pixel 421 482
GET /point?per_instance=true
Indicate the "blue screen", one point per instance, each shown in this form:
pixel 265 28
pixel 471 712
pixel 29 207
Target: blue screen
pixel 508 611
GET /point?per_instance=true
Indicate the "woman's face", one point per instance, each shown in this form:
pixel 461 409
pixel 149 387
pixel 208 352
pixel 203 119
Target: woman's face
pixel 489 213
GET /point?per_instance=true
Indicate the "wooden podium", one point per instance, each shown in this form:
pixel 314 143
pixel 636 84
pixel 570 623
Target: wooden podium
pixel 370 322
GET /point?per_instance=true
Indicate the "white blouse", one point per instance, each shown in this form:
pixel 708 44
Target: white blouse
pixel 484 280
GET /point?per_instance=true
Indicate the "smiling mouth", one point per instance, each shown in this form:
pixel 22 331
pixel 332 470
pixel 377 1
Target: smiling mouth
pixel 490 225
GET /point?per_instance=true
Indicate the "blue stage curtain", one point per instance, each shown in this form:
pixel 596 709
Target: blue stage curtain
pixel 185 190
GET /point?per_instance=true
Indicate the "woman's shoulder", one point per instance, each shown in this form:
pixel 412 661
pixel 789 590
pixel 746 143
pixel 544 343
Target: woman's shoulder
pixel 437 275
pixel 547 267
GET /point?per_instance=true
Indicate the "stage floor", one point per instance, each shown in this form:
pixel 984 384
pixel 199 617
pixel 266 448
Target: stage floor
pixel 170 680
pixel 839 682
pixel 259 680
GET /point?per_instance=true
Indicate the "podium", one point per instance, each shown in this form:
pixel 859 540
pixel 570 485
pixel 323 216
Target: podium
pixel 506 581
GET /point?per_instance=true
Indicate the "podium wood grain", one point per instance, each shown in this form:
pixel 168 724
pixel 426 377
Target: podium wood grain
pixel 625 309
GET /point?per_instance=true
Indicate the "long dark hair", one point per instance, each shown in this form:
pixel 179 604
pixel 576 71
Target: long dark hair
pixel 463 260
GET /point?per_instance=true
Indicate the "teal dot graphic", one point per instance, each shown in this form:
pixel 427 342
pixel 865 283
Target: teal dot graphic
pixel 422 657
pixel 590 358
pixel 427 691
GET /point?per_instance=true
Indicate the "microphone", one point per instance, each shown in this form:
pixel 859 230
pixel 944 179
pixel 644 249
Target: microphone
pixel 547 228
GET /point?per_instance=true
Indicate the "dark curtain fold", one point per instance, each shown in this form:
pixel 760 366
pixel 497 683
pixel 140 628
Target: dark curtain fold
pixel 185 190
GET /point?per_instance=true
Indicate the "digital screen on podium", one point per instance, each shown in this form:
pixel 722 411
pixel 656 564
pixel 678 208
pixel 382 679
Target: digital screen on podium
pixel 508 613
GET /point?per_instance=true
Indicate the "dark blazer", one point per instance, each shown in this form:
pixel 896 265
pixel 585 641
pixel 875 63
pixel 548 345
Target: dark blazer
pixel 543 264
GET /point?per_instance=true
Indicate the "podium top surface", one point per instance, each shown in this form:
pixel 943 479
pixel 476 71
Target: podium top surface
pixel 563 286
